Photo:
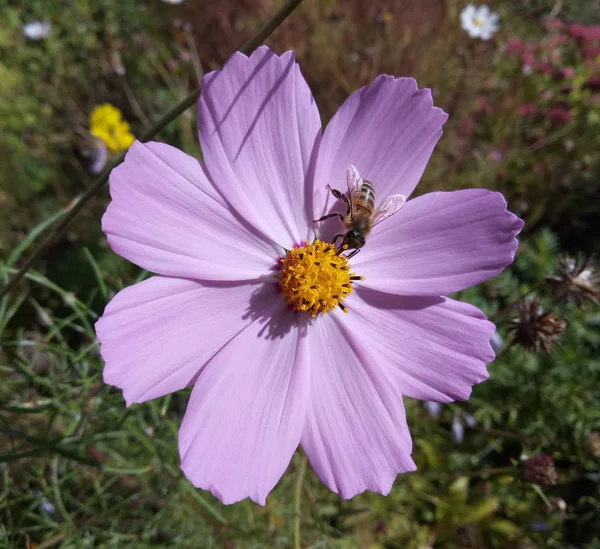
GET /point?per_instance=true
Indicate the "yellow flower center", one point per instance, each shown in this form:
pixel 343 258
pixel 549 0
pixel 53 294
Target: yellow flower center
pixel 478 22
pixel 315 278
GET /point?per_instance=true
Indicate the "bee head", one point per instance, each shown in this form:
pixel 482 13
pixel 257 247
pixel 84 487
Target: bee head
pixel 353 240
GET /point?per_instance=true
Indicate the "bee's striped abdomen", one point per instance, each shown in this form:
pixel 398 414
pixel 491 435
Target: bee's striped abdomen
pixel 366 197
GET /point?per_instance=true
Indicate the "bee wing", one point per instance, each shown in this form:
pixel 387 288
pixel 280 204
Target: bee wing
pixel 391 205
pixel 354 181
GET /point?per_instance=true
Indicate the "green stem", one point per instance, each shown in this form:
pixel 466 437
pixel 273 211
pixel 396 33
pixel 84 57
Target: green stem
pixel 270 26
pixel 176 111
pixel 39 451
pixel 297 502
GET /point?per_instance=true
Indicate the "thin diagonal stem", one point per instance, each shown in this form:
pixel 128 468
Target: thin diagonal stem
pixel 176 111
pixel 298 501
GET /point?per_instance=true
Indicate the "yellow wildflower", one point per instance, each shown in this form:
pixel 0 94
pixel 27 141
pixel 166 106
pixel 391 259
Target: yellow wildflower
pixel 107 124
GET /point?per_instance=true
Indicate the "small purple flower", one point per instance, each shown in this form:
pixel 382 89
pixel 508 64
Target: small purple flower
pixel 433 409
pixel 497 343
pixel 496 155
pixel 457 431
pixel 230 236
pixel 469 420
pixel 540 526
pixel 99 157
pixel 47 507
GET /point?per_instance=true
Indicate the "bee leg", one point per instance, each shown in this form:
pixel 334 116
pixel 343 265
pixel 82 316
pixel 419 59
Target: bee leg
pixel 328 217
pixel 340 196
pixel 353 253
pixel 336 237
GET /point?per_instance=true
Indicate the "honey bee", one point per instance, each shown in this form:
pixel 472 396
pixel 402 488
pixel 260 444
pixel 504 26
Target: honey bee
pixel 361 215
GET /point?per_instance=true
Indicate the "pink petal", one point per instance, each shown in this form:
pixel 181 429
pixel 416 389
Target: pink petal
pixel 434 348
pixel 388 131
pixel 245 416
pixel 440 243
pixel 259 130
pixel 166 217
pixel 157 335
pixel 355 436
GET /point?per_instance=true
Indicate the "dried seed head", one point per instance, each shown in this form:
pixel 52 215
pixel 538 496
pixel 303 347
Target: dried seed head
pixel 534 329
pixel 576 281
pixel 540 470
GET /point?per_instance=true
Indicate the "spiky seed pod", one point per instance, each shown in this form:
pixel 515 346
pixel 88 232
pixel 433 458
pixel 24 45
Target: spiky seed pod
pixel 534 329
pixel 540 470
pixel 575 280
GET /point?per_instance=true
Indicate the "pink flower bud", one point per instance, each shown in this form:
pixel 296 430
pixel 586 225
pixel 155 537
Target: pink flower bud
pixel 527 109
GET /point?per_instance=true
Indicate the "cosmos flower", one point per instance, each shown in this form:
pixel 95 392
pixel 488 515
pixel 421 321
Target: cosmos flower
pixel 107 124
pixel 37 30
pixel 285 341
pixel 479 22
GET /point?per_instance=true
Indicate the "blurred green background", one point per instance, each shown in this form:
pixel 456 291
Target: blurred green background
pixel 78 469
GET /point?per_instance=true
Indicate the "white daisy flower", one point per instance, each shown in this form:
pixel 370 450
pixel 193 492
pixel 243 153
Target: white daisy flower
pixel 479 22
pixel 37 30
pixel 173 1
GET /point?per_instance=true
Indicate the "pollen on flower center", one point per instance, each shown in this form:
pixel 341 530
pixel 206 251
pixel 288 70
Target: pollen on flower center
pixel 477 22
pixel 315 278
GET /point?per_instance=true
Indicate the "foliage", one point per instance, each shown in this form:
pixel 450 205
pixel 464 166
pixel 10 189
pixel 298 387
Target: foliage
pixel 98 51
pixel 81 469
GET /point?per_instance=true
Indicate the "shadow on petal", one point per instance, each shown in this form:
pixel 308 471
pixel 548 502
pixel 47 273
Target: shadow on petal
pixel 381 300
pixel 273 312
